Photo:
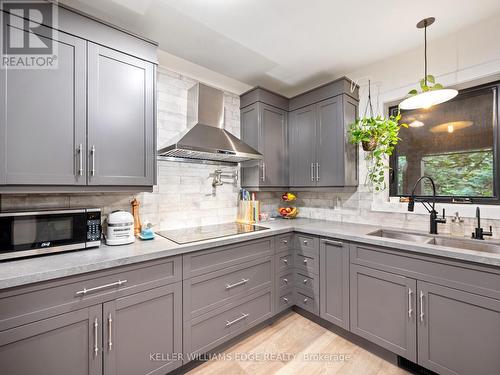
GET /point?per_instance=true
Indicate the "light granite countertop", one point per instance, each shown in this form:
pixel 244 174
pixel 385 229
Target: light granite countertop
pixel 31 270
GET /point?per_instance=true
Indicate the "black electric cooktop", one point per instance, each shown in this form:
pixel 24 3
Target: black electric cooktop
pixel 207 232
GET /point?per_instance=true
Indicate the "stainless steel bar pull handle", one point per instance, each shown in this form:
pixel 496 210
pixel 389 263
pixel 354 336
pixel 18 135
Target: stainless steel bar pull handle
pixel 85 290
pixel 285 299
pixel 263 172
pixel 312 172
pixel 421 306
pixel 242 282
pixel 96 337
pixel 230 323
pixel 410 310
pixel 92 157
pixel 80 159
pixel 317 171
pixel 110 333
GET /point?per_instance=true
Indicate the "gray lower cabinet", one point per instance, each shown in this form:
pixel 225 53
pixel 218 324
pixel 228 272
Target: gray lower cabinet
pixel 458 332
pixel 43 118
pixel 138 326
pixel 69 343
pixel 264 127
pixel 120 118
pixel 334 282
pixel 208 331
pixel 383 310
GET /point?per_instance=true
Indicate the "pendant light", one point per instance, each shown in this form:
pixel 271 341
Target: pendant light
pixel 432 95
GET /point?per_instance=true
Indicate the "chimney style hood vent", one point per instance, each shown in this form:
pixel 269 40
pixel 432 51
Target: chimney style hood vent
pixel 205 137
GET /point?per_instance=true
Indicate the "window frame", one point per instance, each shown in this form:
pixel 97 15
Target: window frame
pixel 495 200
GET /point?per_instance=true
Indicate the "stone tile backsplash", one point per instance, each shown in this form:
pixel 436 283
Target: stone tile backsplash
pixel 184 196
pixel 356 207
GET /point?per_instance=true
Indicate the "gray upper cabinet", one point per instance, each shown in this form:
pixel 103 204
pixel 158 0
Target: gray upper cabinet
pixel 121 118
pixel 43 119
pixel 69 343
pixel 264 127
pixel 302 146
pixel 320 154
pixel 334 282
pixel 458 332
pixel 330 141
pixel 313 150
pixel 90 121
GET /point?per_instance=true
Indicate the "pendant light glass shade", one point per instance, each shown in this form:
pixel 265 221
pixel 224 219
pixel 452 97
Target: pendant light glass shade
pixel 428 99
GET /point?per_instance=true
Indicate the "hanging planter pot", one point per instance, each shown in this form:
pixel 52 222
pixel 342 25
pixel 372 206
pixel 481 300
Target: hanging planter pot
pixel 378 136
pixel 369 145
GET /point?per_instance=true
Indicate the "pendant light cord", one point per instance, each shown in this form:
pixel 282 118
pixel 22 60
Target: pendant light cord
pixel 425 53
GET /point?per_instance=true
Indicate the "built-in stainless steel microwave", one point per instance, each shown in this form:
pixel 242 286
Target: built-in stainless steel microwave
pixel 28 233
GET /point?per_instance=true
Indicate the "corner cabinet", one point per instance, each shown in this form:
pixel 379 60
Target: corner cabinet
pixel 311 149
pixel 264 127
pixel 320 154
pixel 87 125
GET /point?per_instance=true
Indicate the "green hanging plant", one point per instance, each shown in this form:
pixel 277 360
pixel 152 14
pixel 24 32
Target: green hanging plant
pixel 427 83
pixel 378 136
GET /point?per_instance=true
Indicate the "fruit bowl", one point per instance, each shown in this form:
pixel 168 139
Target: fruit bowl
pixel 288 212
pixel 288 197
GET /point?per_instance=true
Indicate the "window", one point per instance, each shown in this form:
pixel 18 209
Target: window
pixel 455 143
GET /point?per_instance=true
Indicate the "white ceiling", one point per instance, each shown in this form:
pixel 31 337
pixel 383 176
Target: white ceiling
pixel 286 45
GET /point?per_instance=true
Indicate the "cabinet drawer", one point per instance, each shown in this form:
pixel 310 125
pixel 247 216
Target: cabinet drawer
pixel 285 300
pixel 209 291
pixel 285 262
pixel 455 274
pixel 208 331
pixel 307 281
pixel 285 280
pixel 284 242
pixel 307 301
pixel 206 261
pixel 306 262
pixel 307 243
pixel 25 304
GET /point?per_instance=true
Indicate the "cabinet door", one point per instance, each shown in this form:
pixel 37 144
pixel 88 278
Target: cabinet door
pixel 334 282
pixel 351 152
pixel 383 310
pixel 142 332
pixel 330 143
pixel 65 344
pixel 302 147
pixel 43 118
pixel 251 169
pixel 274 142
pixel 458 332
pixel 121 118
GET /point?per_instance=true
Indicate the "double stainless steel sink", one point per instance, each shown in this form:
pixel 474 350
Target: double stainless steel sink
pixel 459 243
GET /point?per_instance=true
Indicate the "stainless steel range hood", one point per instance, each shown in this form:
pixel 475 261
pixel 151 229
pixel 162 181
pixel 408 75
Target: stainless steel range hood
pixel 205 137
